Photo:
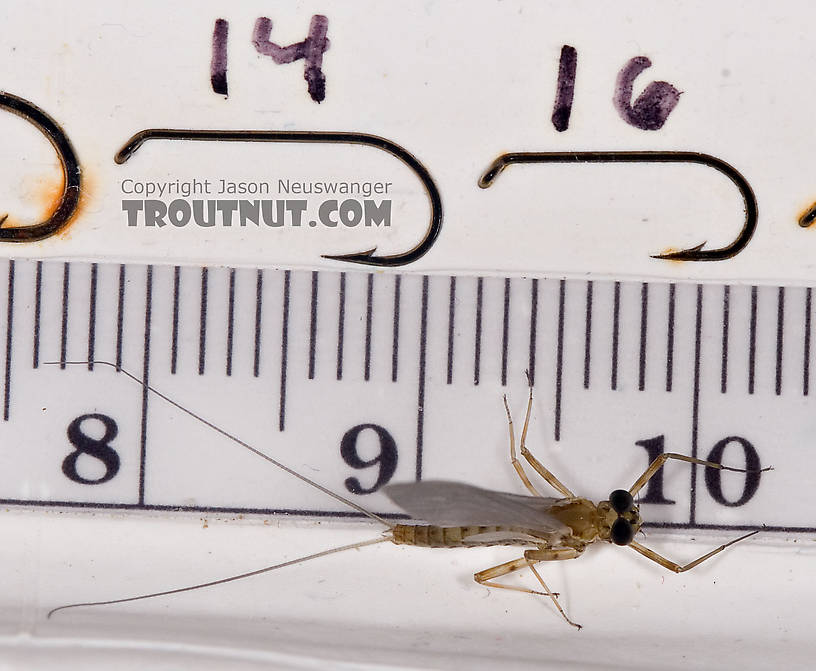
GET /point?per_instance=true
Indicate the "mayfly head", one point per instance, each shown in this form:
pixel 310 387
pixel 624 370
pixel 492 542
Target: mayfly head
pixel 619 518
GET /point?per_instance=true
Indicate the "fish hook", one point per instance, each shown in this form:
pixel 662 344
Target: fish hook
pixel 696 253
pixel 71 171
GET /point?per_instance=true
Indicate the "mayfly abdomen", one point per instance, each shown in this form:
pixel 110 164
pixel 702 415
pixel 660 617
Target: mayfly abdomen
pixel 430 536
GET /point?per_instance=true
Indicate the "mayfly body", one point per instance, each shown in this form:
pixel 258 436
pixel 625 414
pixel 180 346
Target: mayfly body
pixel 459 515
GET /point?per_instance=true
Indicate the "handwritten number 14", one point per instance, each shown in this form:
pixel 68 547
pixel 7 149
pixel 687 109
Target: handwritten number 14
pixel 310 50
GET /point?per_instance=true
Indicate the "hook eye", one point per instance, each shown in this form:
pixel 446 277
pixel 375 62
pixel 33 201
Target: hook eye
pixel 69 201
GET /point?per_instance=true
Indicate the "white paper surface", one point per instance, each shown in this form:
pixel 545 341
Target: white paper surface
pixel 456 85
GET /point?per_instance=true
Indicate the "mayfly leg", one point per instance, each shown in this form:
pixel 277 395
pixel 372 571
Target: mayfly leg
pixel 513 459
pixel 538 467
pixel 648 474
pixel 660 461
pixel 530 558
pixel 679 568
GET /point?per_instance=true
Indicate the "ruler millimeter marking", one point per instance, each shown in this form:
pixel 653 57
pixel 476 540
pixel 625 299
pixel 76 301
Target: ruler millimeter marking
pixel 306 341
pixel 477 353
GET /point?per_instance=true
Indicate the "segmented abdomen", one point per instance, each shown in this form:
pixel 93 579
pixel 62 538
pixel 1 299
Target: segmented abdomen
pixel 428 536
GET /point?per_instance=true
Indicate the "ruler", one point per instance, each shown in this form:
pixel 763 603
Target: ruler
pixel 358 379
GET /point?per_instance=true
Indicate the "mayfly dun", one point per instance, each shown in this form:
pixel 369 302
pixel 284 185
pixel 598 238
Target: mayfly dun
pixel 458 515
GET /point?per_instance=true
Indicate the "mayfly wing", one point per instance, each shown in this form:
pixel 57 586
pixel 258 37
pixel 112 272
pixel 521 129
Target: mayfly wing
pixel 447 503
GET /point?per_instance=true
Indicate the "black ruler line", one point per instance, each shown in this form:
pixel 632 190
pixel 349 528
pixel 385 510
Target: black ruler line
pixel 477 347
pixel 202 327
pixel 728 527
pixel 284 349
pixel 256 363
pixel 695 403
pixel 505 331
pixel 145 382
pixel 341 325
pixel 175 331
pixel 644 326
pixel 451 326
pixel 230 320
pixel 66 279
pixel 120 317
pixel 588 334
pixel 670 338
pixel 559 364
pixel 780 336
pixel 368 324
pixel 35 362
pixel 9 341
pixel 423 343
pixel 531 360
pixel 726 318
pixel 752 336
pixel 806 354
pixel 313 325
pixel 396 331
pixel 613 382
pixel 303 512
pixel 92 318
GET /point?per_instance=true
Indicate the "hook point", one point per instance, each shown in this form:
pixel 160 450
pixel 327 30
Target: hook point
pixel 690 254
pixel 366 256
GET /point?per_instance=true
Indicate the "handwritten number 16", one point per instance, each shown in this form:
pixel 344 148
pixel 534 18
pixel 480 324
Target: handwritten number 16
pixel 648 111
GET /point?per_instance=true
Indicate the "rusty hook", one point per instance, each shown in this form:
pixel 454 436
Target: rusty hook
pixel 71 171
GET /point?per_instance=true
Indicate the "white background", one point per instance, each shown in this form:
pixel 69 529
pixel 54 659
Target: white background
pixel 456 84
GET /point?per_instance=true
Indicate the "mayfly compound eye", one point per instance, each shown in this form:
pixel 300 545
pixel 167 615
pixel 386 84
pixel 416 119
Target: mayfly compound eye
pixel 621 501
pixel 621 532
